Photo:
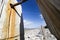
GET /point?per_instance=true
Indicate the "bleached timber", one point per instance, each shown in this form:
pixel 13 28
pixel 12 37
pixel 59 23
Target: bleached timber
pixel 9 20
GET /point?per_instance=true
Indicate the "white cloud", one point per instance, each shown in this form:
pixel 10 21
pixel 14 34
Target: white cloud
pixel 26 22
pixel 29 24
pixel 41 16
pixel 43 21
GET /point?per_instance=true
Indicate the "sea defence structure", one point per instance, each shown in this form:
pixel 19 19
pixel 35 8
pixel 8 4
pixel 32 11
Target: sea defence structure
pixel 51 12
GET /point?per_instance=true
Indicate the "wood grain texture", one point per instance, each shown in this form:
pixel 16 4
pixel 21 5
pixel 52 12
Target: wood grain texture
pixel 51 13
pixel 9 24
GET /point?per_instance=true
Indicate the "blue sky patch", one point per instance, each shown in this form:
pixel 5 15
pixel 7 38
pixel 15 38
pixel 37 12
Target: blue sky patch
pixel 32 14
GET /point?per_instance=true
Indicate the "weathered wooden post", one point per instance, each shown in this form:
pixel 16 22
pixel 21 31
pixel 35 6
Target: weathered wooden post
pixel 51 12
pixel 21 21
pixel 11 21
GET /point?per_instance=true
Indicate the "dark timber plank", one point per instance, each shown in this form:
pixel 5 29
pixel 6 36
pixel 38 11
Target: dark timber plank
pixel 51 13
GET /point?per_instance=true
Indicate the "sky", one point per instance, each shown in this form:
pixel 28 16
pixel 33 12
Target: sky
pixel 32 15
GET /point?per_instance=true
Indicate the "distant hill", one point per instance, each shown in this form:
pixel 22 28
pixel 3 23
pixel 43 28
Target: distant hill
pixel 31 28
